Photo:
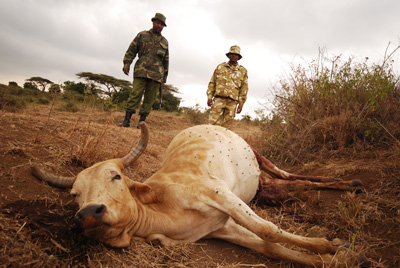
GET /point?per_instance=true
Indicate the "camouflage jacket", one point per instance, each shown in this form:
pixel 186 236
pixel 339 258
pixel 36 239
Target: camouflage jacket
pixel 152 50
pixel 229 81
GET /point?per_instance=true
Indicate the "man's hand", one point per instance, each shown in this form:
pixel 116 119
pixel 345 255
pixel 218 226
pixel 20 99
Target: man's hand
pixel 126 68
pixel 239 109
pixel 210 102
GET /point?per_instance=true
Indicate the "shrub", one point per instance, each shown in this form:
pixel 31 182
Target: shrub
pixel 108 104
pixel 75 87
pixel 73 96
pixel 43 101
pixel 9 102
pixel 331 107
pixel 121 96
pixel 12 83
pixel 69 106
pixel 170 103
pixel 196 114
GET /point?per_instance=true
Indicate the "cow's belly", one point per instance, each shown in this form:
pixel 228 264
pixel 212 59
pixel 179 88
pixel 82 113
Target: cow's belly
pixel 233 161
pixel 223 153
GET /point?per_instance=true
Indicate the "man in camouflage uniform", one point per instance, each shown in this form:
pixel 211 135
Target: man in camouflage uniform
pixel 151 69
pixel 227 90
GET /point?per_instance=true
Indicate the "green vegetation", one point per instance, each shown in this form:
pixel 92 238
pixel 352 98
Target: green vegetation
pixel 101 92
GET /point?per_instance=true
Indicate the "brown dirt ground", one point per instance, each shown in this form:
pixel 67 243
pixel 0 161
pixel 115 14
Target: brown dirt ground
pixel 35 218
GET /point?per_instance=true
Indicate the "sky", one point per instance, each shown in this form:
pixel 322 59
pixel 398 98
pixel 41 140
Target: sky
pixel 55 39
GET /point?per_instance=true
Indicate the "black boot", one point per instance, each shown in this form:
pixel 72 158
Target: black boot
pixel 127 120
pixel 142 119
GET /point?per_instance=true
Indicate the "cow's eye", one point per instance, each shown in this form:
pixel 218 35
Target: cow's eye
pixel 74 193
pixel 117 177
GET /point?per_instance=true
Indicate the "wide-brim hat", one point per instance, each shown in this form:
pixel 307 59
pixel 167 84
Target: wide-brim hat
pixel 234 50
pixel 160 17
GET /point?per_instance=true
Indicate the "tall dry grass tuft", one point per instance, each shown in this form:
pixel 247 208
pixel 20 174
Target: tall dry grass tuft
pixel 331 107
pixel 91 146
pixel 355 213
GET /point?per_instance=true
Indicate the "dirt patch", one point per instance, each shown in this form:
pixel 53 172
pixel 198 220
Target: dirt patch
pixel 35 218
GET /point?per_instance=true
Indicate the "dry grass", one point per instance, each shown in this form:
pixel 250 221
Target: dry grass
pixel 35 218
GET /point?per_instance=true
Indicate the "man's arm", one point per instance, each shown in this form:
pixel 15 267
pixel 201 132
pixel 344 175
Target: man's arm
pixel 130 54
pixel 166 66
pixel 126 68
pixel 243 92
pixel 211 89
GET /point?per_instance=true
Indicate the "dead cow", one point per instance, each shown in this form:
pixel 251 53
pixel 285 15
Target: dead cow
pixel 202 189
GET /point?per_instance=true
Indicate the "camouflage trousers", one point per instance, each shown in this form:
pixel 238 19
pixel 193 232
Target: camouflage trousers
pixel 222 112
pixel 142 86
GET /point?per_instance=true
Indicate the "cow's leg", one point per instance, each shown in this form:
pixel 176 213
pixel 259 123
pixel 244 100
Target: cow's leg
pixel 276 173
pixel 234 233
pixel 223 199
pixel 166 241
pixel 326 182
pixel 336 185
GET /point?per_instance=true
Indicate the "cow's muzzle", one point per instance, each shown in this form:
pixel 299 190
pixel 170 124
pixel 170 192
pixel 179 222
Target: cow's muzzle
pixel 88 217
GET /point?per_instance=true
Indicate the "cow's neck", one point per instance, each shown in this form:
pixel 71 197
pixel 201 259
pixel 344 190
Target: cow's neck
pixel 148 220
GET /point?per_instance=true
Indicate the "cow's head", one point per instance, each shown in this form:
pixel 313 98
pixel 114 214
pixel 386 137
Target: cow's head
pixel 107 199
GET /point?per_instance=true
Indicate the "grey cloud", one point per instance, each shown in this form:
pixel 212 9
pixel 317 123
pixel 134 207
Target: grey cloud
pixel 301 26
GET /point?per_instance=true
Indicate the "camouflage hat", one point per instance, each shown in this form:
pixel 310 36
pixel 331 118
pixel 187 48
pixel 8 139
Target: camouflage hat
pixel 234 50
pixel 160 17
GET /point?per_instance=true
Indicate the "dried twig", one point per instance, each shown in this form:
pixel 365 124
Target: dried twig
pixel 387 131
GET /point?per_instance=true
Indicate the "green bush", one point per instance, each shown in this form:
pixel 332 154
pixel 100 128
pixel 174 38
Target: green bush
pixel 9 102
pixel 108 105
pixel 73 96
pixel 170 103
pixel 43 101
pixel 69 106
pixel 12 83
pixel 121 96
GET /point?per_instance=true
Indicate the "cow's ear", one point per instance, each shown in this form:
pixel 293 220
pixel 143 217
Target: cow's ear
pixel 143 192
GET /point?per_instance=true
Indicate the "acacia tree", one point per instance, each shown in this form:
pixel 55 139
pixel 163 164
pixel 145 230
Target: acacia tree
pixel 39 82
pixel 108 85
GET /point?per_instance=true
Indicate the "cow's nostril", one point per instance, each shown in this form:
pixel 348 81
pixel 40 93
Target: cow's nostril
pixel 100 209
pixel 95 211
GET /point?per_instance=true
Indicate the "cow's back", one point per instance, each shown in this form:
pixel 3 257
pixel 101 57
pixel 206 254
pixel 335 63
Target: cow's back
pixel 214 152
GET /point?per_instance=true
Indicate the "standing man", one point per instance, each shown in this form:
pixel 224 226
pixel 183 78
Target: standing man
pixel 151 69
pixel 227 90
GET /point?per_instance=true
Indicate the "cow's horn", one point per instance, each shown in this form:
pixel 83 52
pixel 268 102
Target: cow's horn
pixel 54 180
pixel 133 155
